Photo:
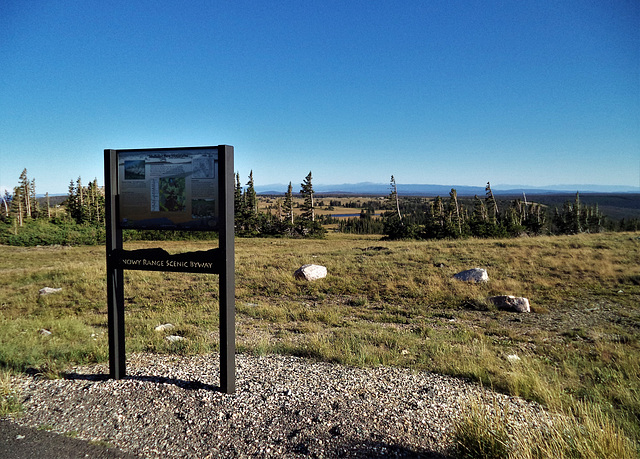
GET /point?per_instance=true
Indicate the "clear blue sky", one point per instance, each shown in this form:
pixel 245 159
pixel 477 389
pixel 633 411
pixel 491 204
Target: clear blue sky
pixel 439 92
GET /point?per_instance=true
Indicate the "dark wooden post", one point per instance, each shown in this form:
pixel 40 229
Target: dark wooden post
pixel 115 277
pixel 227 273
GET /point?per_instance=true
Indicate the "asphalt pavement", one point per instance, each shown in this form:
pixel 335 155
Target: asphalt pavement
pixel 17 442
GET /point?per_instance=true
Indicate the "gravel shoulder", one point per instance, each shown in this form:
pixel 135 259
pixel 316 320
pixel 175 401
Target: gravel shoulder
pixel 170 407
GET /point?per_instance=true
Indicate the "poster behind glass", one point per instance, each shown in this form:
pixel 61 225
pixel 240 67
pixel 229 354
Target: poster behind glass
pixel 173 189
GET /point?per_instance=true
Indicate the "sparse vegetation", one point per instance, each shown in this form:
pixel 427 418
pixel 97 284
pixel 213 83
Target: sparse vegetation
pixel 9 397
pixel 486 431
pixel 390 302
pixel 384 302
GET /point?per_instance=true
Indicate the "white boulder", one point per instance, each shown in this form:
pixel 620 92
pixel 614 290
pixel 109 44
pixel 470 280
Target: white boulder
pixel 310 272
pixel 473 275
pixel 174 338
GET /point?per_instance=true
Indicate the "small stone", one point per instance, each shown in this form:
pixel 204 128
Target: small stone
pixel 19 437
pixel 310 272
pixel 472 275
pixel 513 358
pixel 48 290
pixel 164 327
pixel 174 338
pixel 511 303
pixel 44 332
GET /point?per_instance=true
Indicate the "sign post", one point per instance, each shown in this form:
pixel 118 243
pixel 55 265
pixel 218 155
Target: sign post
pixel 171 189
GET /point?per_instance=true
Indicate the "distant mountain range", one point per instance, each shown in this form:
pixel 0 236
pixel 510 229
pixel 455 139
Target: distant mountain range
pixel 379 189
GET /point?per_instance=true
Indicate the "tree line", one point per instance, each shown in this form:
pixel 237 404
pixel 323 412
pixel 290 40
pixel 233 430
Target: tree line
pixel 413 218
pixel 82 205
pixel 280 219
pixel 26 219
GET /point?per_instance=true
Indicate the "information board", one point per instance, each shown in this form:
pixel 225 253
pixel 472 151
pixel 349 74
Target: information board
pixel 171 188
pixel 168 189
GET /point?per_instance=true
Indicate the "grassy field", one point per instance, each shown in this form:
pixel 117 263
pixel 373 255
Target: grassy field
pixel 270 204
pixel 383 302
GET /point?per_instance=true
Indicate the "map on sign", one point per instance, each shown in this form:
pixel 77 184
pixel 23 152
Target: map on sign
pixel 169 189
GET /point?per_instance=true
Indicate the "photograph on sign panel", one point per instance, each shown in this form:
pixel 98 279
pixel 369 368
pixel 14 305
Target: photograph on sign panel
pixel 201 208
pixel 134 170
pixel 172 194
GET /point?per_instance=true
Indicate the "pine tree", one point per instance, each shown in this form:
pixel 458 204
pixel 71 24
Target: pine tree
pixel 33 201
pixel 576 217
pixel 94 208
pixel 438 211
pixel 250 208
pixel 80 218
pixel 455 210
pixel 72 201
pixel 395 200
pixel 250 198
pixel 288 204
pixel 17 206
pixel 25 193
pixel 85 204
pixel 492 205
pixel 479 210
pixel 306 190
pixel 238 203
pixel 6 199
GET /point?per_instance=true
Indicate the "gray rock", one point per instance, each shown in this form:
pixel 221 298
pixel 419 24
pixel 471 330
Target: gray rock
pixel 511 303
pixel 310 272
pixel 164 327
pixel 473 275
pixel 174 338
pixel 49 290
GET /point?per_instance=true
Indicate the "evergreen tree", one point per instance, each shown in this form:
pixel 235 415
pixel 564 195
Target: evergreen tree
pixel 306 190
pixel 492 205
pixel 479 210
pixel 250 197
pixel 238 202
pixel 288 205
pixel 72 202
pixel 6 199
pixel 455 211
pixel 25 193
pixel 393 197
pixel 576 217
pixel 95 203
pixel 307 225
pixel 34 206
pixel 85 205
pixel 250 208
pixel 17 206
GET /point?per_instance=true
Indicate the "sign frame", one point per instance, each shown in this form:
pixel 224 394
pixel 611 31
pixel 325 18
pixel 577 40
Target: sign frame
pixel 219 261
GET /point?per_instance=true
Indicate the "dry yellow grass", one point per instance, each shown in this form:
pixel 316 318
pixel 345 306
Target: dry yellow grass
pixel 383 302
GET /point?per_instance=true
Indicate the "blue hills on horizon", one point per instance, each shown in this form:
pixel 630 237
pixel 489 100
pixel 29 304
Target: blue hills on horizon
pixel 381 189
